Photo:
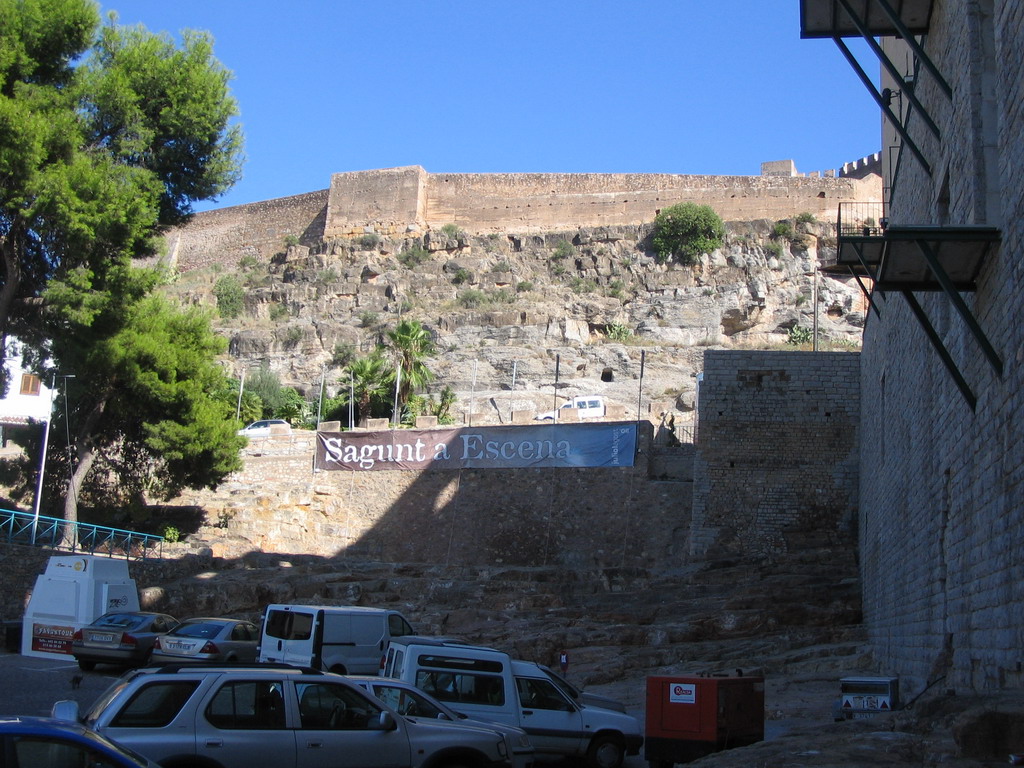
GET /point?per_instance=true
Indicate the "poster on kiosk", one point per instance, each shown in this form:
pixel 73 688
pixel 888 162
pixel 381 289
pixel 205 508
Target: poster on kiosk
pixel 73 591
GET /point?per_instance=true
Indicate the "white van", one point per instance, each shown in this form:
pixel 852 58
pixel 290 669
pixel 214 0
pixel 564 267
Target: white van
pixel 589 407
pixel 345 639
pixel 486 684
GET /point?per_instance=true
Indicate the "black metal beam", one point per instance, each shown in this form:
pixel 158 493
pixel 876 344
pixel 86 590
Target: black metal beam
pixel 944 355
pixel 866 292
pixel 961 306
pixel 919 52
pixel 893 70
pixel 896 124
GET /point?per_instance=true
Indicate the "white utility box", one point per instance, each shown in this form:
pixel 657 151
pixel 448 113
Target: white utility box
pixel 73 591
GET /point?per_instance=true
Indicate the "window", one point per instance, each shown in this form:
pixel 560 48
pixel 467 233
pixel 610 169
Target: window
pixel 337 707
pixel 286 625
pixel 397 626
pixel 256 705
pixel 406 702
pixel 46 753
pixel 462 686
pixel 29 384
pixel 155 705
pixel 541 694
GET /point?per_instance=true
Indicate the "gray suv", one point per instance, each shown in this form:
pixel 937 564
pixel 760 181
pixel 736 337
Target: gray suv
pixel 243 716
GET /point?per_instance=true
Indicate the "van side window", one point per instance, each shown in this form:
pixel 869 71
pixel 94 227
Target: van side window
pixel 540 694
pixel 462 687
pixel 397 626
pixel 395 658
pixel 286 625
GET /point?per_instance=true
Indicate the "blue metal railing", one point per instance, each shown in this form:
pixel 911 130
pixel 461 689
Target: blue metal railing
pixel 55 533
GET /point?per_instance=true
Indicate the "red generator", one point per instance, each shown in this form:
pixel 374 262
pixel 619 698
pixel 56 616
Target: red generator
pixel 689 717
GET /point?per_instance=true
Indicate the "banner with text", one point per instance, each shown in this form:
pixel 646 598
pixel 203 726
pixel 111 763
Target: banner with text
pixel 547 445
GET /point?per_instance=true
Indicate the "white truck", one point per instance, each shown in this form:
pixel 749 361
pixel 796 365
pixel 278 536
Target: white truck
pixel 346 639
pixel 488 684
pixel 588 407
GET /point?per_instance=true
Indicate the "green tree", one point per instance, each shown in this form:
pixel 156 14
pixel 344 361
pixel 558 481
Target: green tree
pixel 230 297
pixel 266 385
pixel 148 400
pixel 368 378
pixel 107 134
pixel 411 343
pixel 686 231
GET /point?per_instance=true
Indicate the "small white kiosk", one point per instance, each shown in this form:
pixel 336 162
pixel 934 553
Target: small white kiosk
pixel 72 592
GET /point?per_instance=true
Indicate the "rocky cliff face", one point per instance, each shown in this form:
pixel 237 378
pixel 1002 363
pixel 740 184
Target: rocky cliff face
pixel 504 305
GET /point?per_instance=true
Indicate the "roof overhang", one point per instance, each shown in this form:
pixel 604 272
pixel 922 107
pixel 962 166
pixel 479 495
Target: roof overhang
pixel 829 18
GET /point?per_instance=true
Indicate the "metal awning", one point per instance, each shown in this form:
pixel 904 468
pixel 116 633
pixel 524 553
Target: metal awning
pixel 904 259
pixel 899 257
pixel 828 18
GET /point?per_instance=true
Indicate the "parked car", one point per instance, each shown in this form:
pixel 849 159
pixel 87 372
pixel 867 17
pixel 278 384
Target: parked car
pixel 408 700
pixel 242 716
pixel 262 427
pixel 42 742
pixel 491 685
pixel 589 407
pixel 208 640
pixel 120 637
pixel 346 639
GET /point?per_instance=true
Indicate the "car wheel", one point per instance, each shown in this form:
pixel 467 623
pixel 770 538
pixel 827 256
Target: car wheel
pixel 86 666
pixel 605 751
pixel 337 669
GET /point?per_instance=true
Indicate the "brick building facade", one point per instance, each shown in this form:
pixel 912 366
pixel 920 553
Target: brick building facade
pixel 942 456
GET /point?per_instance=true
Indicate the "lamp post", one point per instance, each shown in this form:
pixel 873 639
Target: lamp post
pixel 42 465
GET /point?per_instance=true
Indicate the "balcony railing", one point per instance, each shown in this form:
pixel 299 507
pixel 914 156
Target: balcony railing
pixel 860 219
pixel 54 533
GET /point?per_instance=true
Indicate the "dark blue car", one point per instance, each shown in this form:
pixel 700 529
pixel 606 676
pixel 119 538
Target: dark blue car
pixel 42 742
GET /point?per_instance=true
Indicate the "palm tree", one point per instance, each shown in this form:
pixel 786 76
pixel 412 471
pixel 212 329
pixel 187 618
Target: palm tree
pixel 369 377
pixel 412 342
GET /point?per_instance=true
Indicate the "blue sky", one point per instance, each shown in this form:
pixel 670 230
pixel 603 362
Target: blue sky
pixel 489 86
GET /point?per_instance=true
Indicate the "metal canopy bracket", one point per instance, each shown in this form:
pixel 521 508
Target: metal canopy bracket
pixel 905 259
pixel 879 18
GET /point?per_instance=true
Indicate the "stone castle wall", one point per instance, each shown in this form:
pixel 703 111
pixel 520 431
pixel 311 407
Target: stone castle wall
pixel 393 199
pixel 942 484
pixel 397 201
pixel 776 470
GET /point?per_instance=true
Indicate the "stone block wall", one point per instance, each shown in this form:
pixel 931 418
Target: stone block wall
pixel 538 202
pixel 942 485
pixel 409 201
pixel 776 466
pixel 258 230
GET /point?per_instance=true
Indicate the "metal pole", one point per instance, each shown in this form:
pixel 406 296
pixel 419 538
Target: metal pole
pixel 515 366
pixel 395 418
pixel 472 396
pixel 640 386
pixel 815 292
pixel 320 407
pixel 554 389
pixel 241 386
pixel 42 467
pixel 67 433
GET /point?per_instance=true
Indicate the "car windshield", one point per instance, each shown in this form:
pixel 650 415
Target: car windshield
pixel 120 620
pixel 198 629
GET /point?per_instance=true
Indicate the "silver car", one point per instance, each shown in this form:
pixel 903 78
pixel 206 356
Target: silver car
pixel 208 639
pixel 406 699
pixel 125 638
pixel 254 715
